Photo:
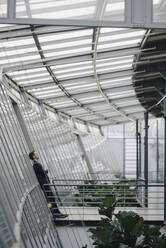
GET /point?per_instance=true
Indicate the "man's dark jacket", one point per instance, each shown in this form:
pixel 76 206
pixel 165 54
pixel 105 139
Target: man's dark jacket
pixel 40 173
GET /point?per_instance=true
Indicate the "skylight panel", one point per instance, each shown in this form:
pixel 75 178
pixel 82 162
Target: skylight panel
pixel 18 59
pixel 72 51
pixel 21 8
pixel 121 95
pixel 31 82
pixel 17 42
pixel 112 6
pixel 44 89
pixel 159 11
pixel 35 80
pixel 56 3
pixel 116 59
pixel 85 73
pixel 73 69
pixel 66 35
pixel 117 82
pixel 3 8
pixel 67 44
pixel 123 36
pixel 73 13
pixel 118 44
pixel 56 9
pixel 36 70
pixel 127 66
pixel 115 11
pixel 127 103
pixel 41 74
pixel 63 103
pixel 49 94
pixel 127 61
pixel 80 87
pixel 117 79
pixel 84 98
pixel 19 52
pixel 157 1
pixel 72 65
pixel 108 30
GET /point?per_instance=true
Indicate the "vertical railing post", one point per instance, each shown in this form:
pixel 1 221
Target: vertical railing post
pixel 165 161
pixel 140 153
pixel 124 151
pixel 157 151
pixel 137 157
pixel 137 152
pixel 146 115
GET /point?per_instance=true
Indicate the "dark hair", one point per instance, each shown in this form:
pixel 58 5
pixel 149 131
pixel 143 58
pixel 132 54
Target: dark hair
pixel 31 154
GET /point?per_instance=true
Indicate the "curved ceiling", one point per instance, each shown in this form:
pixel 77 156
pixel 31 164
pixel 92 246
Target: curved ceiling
pixel 85 73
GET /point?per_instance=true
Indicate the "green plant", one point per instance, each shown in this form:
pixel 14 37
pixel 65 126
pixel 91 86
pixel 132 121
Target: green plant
pixel 124 230
pixel 92 194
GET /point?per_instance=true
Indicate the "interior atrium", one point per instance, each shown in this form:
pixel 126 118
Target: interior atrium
pixel 82 88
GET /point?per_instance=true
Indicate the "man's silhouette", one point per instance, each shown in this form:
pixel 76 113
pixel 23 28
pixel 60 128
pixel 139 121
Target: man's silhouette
pixel 43 178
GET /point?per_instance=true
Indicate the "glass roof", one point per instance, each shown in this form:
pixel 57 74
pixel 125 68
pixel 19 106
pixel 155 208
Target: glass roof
pixel 72 9
pixel 83 72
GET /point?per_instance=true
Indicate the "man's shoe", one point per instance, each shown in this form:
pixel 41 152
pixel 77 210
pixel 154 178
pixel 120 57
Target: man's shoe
pixel 60 215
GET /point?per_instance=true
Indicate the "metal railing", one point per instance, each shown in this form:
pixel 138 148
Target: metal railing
pixel 155 176
pixel 81 199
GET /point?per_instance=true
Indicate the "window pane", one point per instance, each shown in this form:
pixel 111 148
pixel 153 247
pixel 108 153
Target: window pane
pixel 159 11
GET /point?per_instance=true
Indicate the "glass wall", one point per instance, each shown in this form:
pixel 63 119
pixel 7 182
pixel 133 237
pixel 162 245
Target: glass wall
pixel 27 126
pixel 24 216
pixel 122 140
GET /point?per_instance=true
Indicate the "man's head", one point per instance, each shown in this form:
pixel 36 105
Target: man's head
pixel 33 155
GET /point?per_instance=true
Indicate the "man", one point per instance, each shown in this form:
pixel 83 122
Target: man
pixel 43 178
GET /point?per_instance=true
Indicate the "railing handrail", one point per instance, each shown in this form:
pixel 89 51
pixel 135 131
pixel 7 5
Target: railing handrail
pixel 96 180
pixel 88 185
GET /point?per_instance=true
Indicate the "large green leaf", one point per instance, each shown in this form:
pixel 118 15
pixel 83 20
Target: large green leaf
pixel 126 230
pixel 130 221
pixel 107 207
pixel 101 234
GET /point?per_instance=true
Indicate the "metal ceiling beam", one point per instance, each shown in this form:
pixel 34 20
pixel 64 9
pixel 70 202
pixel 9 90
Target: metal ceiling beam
pixel 139 14
pixel 68 22
pixel 23 32
pixel 11 9
pixel 103 93
pixel 82 23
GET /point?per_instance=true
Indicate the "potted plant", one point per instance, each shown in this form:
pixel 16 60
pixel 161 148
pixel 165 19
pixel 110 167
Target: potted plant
pixel 126 229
